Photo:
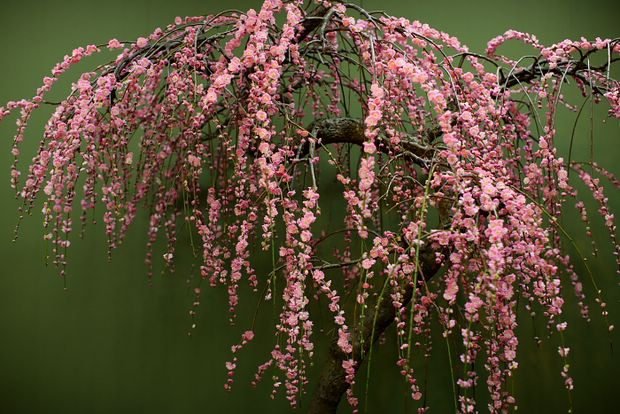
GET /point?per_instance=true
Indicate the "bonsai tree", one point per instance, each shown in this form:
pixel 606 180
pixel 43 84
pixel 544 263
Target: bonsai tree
pixel 449 184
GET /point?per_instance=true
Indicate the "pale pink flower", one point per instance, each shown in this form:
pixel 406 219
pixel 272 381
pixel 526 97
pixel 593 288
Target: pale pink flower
pixel 142 42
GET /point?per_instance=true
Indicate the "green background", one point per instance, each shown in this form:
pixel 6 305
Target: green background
pixel 112 343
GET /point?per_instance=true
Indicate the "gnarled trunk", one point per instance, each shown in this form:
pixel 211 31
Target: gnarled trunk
pixel 332 383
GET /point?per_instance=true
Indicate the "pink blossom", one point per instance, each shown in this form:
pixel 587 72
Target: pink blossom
pixel 114 44
pixel 496 231
pixel 193 160
pixel 261 116
pixel 451 291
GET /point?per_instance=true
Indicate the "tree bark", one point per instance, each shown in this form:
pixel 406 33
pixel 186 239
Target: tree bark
pixel 352 131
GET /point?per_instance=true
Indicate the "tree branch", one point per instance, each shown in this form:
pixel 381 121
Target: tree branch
pixel 576 69
pixel 351 131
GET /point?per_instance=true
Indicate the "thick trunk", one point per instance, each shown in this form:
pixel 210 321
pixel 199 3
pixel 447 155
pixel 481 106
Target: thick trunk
pixel 332 383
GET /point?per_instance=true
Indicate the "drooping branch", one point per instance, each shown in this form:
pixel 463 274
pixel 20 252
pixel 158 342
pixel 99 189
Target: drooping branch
pixel 332 383
pixel 576 69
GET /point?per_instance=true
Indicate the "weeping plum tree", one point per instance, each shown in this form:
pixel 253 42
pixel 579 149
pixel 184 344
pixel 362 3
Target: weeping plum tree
pixel 448 177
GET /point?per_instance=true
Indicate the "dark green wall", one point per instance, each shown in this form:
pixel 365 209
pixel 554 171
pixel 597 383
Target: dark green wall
pixel 113 344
